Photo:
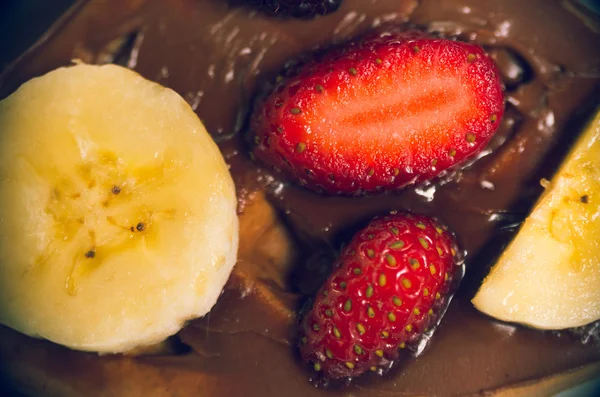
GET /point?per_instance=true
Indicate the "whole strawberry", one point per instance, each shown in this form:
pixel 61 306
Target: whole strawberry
pixel 387 287
pixel 381 113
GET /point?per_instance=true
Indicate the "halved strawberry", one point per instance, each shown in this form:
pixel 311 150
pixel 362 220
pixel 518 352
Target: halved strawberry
pixel 381 113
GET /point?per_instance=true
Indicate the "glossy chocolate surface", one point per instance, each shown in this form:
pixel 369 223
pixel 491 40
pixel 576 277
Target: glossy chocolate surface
pixel 216 56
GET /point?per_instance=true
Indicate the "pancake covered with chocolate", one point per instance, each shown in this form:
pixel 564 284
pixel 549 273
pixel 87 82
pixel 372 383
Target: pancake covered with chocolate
pixel 218 56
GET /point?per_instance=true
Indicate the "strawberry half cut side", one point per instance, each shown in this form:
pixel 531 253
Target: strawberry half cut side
pixel 390 110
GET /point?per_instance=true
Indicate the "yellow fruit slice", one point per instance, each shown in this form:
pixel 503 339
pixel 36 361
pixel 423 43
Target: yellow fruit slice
pixel 549 276
pixel 117 211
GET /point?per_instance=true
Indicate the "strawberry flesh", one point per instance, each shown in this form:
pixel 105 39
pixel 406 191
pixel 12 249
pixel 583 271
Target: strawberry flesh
pixel 380 114
pixel 388 286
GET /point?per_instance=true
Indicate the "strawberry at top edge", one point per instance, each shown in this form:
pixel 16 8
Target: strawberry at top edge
pixel 304 9
pixel 380 113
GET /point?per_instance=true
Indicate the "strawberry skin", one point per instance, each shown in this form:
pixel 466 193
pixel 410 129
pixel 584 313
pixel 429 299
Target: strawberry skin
pixel 382 113
pixel 388 286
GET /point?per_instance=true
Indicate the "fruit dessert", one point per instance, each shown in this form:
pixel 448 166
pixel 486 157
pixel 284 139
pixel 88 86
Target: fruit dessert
pixel 298 243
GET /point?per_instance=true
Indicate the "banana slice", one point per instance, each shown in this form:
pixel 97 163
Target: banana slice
pixel 117 211
pixel 549 276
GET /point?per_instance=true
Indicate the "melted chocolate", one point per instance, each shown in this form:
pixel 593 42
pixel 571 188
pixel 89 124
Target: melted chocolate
pixel 216 56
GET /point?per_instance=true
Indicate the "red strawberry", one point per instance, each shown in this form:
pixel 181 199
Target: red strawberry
pixel 380 114
pixel 387 287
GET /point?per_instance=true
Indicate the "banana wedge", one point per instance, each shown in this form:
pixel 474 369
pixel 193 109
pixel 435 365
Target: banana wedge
pixel 117 211
pixel 549 276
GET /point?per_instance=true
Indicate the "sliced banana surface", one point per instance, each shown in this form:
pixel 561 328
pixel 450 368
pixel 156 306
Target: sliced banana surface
pixel 549 276
pixel 117 211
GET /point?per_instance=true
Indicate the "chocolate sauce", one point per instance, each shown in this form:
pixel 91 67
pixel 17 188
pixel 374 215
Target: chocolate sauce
pixel 216 56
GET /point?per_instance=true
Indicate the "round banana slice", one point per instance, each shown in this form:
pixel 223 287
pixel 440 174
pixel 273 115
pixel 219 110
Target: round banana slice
pixel 117 211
